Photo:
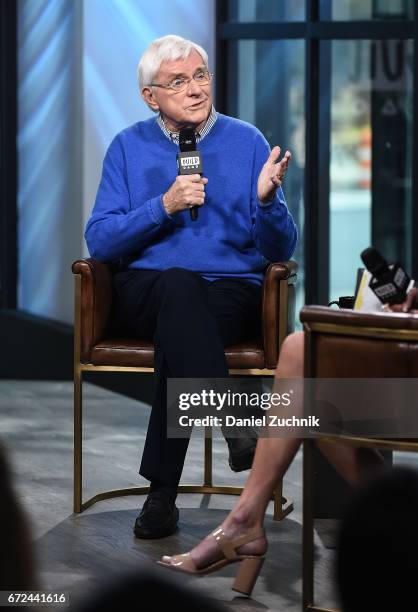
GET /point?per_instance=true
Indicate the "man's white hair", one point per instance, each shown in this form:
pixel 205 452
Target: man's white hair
pixel 166 48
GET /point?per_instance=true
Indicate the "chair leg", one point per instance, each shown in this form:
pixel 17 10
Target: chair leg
pixel 307 529
pixel 282 506
pixel 207 482
pixel 78 440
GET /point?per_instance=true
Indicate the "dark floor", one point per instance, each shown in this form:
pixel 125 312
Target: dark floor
pixel 77 552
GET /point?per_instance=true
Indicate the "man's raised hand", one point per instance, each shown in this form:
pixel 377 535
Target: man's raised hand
pixel 272 175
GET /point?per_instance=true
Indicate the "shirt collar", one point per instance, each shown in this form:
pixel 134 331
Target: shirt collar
pixel 174 136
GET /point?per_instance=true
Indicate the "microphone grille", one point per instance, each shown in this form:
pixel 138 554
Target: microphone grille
pixel 187 139
pixel 374 261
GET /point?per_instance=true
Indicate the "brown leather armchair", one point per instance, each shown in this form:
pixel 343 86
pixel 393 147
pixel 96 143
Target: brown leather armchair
pixel 351 344
pixel 97 350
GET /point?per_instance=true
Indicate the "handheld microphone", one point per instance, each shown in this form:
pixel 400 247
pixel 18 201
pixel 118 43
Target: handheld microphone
pixel 189 160
pixel 389 282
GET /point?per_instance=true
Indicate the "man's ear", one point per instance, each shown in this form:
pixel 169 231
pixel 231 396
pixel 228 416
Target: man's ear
pixel 147 94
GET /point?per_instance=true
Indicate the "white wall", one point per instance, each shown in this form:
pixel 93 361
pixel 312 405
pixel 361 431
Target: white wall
pixel 50 154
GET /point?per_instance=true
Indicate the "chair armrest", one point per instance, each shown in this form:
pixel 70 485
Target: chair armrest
pixel 93 301
pixel 278 308
pixel 362 323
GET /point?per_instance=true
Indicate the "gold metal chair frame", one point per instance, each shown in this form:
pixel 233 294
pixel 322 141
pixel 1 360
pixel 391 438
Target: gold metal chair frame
pixel 402 335
pixel 281 510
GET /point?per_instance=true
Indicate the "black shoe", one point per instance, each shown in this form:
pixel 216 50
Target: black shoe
pixel 241 453
pixel 158 518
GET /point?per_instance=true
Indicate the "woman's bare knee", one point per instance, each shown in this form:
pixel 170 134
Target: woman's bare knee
pixel 290 363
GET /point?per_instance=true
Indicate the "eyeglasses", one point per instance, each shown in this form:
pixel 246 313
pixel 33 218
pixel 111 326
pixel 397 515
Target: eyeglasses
pixel 202 77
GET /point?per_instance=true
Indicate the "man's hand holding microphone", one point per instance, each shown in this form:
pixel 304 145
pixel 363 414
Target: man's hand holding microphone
pixel 187 190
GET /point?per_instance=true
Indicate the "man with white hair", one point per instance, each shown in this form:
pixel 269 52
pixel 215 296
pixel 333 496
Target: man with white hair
pixel 192 287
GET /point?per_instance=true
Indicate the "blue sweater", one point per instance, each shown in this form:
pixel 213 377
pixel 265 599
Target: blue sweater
pixel 235 236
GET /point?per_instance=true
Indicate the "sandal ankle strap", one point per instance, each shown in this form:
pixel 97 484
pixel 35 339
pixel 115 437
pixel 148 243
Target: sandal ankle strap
pixel 229 545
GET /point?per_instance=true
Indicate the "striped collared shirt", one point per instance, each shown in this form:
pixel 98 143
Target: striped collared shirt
pixel 174 136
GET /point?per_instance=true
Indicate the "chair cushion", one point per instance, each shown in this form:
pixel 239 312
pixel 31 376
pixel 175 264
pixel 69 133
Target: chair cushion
pixel 139 353
pixel 245 355
pixel 123 352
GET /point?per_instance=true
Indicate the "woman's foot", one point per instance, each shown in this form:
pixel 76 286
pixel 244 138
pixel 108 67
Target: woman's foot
pixel 208 550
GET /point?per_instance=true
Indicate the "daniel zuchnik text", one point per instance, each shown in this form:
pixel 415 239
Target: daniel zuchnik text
pixel 271 420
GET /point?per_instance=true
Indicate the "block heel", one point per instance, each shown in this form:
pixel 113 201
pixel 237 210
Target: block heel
pixel 249 569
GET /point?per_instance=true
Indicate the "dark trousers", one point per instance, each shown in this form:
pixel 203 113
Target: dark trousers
pixel 190 320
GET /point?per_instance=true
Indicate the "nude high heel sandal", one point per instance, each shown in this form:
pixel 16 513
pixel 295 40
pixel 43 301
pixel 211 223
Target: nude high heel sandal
pixel 249 565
